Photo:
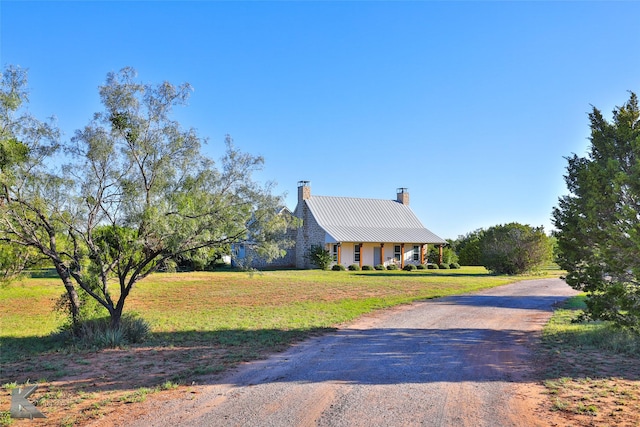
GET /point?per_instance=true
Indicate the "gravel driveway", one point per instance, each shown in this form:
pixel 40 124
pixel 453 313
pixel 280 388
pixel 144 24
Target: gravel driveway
pixel 455 361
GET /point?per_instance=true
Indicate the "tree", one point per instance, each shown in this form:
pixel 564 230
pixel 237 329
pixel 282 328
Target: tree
pixel 24 140
pixel 598 222
pixel 137 193
pixel 448 254
pixel 468 248
pixel 514 248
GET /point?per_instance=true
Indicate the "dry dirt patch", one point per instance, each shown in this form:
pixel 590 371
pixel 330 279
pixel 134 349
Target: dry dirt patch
pixel 75 389
pixel 590 388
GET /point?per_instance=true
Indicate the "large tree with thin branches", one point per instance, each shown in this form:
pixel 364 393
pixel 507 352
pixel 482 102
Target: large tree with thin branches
pixel 134 192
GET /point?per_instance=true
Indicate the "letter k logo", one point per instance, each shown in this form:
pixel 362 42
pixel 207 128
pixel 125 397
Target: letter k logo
pixel 21 407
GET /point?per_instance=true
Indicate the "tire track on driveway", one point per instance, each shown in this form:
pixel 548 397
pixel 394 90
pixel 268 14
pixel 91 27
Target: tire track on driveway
pixel 454 361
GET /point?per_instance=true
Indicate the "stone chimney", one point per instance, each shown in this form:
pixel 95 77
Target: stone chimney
pixel 304 190
pixel 402 196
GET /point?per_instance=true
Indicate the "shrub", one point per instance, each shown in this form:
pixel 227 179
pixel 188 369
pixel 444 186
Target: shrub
pixel 443 266
pixel 432 266
pixel 409 267
pixel 354 267
pixel 380 267
pixel 136 329
pixel 392 267
pixel 367 267
pixel 338 267
pixel 319 257
pixel 515 248
pixel 108 338
pixel 454 265
pixel 99 333
pixel 421 267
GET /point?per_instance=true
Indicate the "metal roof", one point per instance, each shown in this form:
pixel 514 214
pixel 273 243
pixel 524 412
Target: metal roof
pixel 347 219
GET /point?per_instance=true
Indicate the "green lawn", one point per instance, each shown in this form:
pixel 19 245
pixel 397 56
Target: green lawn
pixel 291 299
pixel 189 306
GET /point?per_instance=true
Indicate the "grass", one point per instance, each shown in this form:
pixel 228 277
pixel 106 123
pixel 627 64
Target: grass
pixel 592 369
pixel 202 323
pixel 564 332
pixel 225 306
pixel 28 319
pixel 288 300
pixel 25 300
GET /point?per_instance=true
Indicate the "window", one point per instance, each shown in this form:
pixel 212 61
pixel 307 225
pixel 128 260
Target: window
pixel 397 253
pixel 335 253
pixel 416 253
pixel 356 253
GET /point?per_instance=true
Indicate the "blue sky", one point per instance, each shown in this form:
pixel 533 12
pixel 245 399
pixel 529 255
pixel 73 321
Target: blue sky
pixel 470 105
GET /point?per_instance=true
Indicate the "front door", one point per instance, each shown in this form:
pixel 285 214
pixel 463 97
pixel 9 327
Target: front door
pixel 376 255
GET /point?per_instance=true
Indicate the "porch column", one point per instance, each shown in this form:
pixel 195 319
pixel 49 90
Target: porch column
pixel 382 253
pixel 422 248
pixel 440 253
pixel 361 255
pixel 339 253
pixel 402 255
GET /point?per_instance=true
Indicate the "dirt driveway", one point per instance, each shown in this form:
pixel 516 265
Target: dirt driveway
pixel 456 361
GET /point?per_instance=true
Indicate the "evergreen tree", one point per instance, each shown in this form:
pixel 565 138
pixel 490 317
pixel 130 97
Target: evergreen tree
pixel 598 222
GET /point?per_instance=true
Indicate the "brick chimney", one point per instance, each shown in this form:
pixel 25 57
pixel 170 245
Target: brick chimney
pixel 304 190
pixel 402 196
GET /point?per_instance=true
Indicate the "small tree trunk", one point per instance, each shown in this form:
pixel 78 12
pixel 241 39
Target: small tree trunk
pixel 72 294
pixel 116 317
pixel 74 304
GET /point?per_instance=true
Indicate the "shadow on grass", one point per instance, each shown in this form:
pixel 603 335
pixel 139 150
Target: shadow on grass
pixel 590 363
pixel 354 356
pixel 174 356
pixel 260 338
pixel 588 349
pixel 18 349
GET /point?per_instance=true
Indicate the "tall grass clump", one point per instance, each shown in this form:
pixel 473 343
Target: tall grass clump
pixel 98 332
pixel 566 329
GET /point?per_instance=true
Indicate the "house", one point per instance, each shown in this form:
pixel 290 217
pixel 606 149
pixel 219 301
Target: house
pixel 354 230
pixel 361 231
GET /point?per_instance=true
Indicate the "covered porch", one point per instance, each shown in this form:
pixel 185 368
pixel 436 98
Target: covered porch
pixel 385 253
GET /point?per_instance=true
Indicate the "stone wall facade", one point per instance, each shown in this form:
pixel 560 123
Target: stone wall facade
pixel 256 261
pixel 309 234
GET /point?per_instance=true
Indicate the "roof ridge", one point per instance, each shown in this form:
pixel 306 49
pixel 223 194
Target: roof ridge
pixel 349 197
